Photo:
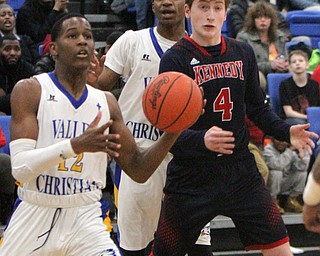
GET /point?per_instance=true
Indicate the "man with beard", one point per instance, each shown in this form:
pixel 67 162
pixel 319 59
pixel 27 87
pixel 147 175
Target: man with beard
pixel 35 18
pixel 12 69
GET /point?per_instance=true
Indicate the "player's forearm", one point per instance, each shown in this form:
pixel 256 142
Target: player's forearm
pixel 144 162
pixel 28 162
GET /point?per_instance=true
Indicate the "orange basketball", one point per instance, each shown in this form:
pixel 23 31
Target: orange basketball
pixel 172 102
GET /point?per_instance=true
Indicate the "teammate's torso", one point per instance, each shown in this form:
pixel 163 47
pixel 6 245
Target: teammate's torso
pixel 138 62
pixel 61 117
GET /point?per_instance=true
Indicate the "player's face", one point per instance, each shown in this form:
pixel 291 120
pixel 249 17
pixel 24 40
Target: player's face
pixel 75 46
pixel 7 19
pixel 169 12
pixel 207 17
pixel 298 64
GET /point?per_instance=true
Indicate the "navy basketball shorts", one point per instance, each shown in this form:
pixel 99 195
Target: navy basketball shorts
pixel 231 187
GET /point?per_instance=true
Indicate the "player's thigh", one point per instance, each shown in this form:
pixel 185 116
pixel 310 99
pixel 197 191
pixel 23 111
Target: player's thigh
pixel 89 236
pixel 21 236
pixel 136 198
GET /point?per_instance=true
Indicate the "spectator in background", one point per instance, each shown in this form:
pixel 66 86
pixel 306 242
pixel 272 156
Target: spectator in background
pixel 268 42
pixel 238 10
pixel 35 18
pixel 7 26
pixel 12 69
pixel 287 173
pixel 141 7
pixel 298 92
pixel 7 183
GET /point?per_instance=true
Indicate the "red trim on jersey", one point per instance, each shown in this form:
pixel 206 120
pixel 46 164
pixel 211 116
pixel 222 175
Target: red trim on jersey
pixel 223 45
pixel 268 246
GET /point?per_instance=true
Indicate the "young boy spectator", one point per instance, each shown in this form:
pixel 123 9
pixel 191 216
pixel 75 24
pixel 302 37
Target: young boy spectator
pixel 12 69
pixel 287 173
pixel 298 92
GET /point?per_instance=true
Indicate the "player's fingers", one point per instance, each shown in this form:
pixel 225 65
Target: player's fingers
pixel 225 151
pixel 96 120
pixel 105 126
pixel 112 137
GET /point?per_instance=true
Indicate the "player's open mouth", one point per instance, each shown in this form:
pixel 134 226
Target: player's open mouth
pixel 167 14
pixel 82 54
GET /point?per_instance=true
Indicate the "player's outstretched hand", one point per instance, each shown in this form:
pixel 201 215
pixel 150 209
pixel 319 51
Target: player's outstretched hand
pixel 94 139
pixel 301 139
pixel 219 140
pixel 311 217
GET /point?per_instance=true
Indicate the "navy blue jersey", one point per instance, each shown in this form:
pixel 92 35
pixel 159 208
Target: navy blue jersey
pixel 228 73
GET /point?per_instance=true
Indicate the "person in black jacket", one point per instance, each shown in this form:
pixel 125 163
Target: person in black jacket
pixel 12 69
pixel 7 26
pixel 35 18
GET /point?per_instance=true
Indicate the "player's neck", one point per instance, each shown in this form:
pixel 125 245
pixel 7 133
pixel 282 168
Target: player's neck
pixel 74 84
pixel 173 33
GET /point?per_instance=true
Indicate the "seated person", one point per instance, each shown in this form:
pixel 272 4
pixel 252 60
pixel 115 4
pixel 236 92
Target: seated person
pixel 298 92
pixel 7 26
pixel 7 184
pixel 12 69
pixel 238 10
pixel 268 42
pixel 287 173
pixel 35 18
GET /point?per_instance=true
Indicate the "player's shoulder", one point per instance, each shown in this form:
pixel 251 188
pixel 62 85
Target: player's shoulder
pixel 136 34
pixel 237 44
pixel 28 90
pixel 240 49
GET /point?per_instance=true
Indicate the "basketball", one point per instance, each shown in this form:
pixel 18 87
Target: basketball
pixel 172 102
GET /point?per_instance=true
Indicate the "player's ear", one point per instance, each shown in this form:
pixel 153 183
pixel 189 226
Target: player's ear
pixel 53 50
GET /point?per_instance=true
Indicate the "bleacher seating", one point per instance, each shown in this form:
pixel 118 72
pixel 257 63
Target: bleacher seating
pixel 15 4
pixel 313 114
pixel 5 126
pixel 305 23
pixel 274 80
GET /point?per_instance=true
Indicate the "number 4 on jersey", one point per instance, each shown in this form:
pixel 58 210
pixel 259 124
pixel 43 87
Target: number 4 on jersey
pixel 224 104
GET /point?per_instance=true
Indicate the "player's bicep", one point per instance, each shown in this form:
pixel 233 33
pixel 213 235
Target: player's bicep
pixel 25 99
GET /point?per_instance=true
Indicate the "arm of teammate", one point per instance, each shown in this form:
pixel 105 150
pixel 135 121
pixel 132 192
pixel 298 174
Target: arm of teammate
pixel 311 197
pixel 138 163
pixel 107 79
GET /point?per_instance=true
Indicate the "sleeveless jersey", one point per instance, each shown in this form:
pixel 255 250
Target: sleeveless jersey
pixel 61 117
pixel 138 63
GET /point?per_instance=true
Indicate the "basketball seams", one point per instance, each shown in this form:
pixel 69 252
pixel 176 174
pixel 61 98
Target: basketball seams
pixel 172 102
pixel 184 108
pixel 163 102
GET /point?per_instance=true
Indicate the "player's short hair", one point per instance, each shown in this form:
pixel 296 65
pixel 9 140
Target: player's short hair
pixel 226 3
pixel 57 27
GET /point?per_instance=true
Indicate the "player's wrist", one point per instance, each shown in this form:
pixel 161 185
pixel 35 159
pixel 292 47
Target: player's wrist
pixel 311 194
